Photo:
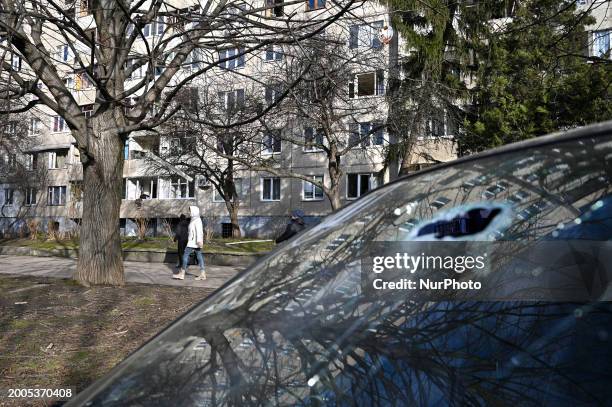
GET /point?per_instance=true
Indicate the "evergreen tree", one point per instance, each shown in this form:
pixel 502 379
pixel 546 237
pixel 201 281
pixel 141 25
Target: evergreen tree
pixel 535 77
pixel 499 71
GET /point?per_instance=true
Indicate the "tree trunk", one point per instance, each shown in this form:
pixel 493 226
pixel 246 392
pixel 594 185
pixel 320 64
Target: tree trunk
pixel 335 175
pixel 100 261
pixel 232 208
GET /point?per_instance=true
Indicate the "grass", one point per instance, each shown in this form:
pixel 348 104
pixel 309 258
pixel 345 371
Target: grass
pixel 68 336
pixel 150 243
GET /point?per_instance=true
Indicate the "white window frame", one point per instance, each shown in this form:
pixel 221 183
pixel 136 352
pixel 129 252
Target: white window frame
pixel 237 62
pixel 275 93
pixel 315 132
pixel 16 63
pixel 367 35
pixel 315 188
pixel 275 51
pixel 87 110
pixel 270 150
pixel 232 95
pixel 601 34
pixel 377 91
pixel 63 53
pixel 152 29
pixel 30 196
pixel 9 196
pixel 216 196
pixel 53 164
pixel 34 126
pixel 272 182
pixel 372 183
pixel 136 73
pixel 30 159
pixel 176 186
pixel 51 193
pixel 59 124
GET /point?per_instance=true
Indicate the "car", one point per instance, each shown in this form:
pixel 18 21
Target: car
pixel 305 326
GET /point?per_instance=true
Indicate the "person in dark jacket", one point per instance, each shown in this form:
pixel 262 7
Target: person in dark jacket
pixel 295 226
pixel 181 236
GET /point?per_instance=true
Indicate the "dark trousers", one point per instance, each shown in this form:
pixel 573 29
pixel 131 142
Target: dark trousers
pixel 181 252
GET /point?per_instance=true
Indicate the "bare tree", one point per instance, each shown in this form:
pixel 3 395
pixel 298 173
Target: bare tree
pixel 313 101
pixel 206 142
pixel 23 177
pixel 105 42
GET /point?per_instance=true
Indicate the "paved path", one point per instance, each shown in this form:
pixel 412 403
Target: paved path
pixel 135 272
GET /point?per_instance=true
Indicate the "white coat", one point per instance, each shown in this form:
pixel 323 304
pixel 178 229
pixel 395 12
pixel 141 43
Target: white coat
pixel 196 230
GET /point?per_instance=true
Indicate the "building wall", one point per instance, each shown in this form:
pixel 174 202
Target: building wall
pixel 256 217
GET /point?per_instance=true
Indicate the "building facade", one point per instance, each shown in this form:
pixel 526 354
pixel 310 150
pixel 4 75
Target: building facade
pixel 158 190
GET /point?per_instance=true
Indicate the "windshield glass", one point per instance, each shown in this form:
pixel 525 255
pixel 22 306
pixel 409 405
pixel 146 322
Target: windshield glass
pixel 299 329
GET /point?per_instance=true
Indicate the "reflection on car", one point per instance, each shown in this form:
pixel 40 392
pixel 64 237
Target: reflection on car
pixel 297 328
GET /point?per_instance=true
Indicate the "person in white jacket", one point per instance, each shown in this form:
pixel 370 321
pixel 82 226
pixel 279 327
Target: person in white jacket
pixel 194 244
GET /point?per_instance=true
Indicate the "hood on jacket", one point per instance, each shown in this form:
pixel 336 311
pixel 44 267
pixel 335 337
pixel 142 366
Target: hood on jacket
pixel 194 211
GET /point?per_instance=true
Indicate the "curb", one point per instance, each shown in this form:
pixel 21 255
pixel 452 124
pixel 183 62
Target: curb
pixel 144 256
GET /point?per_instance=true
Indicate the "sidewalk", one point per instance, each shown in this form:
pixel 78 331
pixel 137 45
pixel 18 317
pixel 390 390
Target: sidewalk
pixel 135 272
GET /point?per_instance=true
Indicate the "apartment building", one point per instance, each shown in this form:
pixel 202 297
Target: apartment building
pixel 599 33
pixel 160 192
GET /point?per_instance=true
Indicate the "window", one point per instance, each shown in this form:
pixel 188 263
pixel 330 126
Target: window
pixel 274 53
pixel 314 4
pixel 11 160
pixel 189 99
pixel 16 63
pixel 175 146
pixel 63 53
pixel 154 28
pixel 126 150
pixel 367 84
pixel 34 126
pixel 56 196
pixel 141 188
pixel 274 8
pixel 229 100
pixel 136 73
pixel 31 161
pixel 87 110
pixel 159 69
pixel 365 35
pixel 311 192
pixel 69 83
pixel 229 60
pixel 272 93
pixel 270 189
pixel 313 138
pixel 216 197
pixel 181 188
pixel 30 196
pixel 601 43
pixel 440 124
pixel 434 127
pixel 9 194
pixel 359 184
pixel 239 192
pixel 57 159
pixel 194 59
pixel 59 124
pixel 272 142
pixel 11 127
pixel 83 81
pixel 366 134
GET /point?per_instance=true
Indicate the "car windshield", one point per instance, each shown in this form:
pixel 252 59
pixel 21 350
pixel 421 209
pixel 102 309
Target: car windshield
pixel 298 328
